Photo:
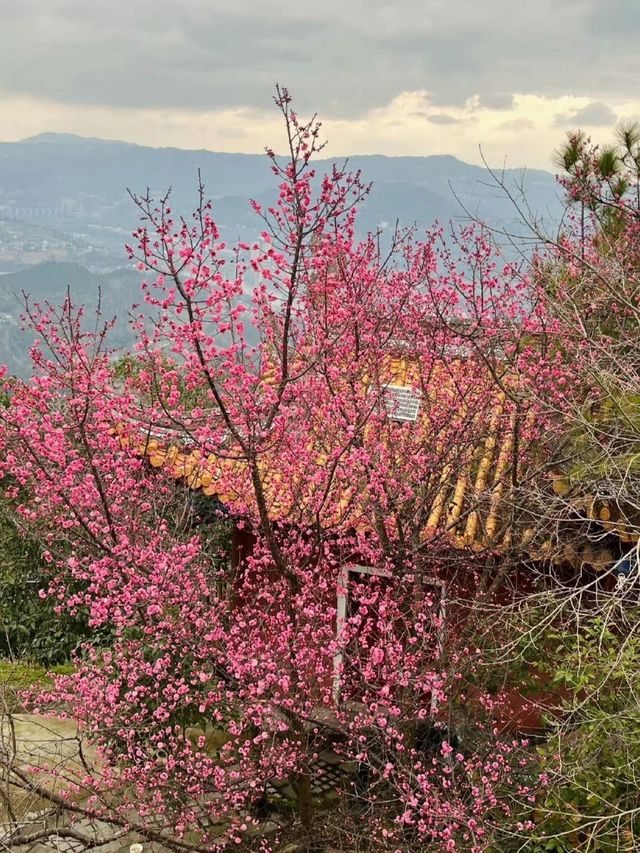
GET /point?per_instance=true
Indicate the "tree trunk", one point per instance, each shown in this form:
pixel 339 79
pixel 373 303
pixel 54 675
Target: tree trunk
pixel 305 805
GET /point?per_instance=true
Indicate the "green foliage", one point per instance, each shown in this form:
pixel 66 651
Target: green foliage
pixel 29 626
pixel 609 161
pixel 570 155
pixel 603 443
pixel 20 675
pixel 604 179
pixel 589 797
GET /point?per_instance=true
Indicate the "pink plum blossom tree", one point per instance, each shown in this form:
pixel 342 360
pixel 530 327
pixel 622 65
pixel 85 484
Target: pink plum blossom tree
pixel 266 395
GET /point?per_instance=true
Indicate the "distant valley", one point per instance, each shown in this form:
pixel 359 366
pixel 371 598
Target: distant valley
pixel 116 291
pixel 65 213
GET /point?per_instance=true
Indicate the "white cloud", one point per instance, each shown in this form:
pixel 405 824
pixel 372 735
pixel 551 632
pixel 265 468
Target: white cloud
pixel 200 73
pixel 409 124
pixel 595 114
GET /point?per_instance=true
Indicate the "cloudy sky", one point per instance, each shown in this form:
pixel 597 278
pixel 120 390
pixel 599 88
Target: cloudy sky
pixel 386 76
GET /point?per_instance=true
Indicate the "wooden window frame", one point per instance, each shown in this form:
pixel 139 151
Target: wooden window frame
pixel 342 589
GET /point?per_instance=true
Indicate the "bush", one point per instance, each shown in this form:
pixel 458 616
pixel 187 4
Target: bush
pixel 29 626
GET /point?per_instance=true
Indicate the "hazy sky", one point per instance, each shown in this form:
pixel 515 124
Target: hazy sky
pixel 386 76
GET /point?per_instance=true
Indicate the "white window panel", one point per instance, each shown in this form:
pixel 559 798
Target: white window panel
pixel 403 403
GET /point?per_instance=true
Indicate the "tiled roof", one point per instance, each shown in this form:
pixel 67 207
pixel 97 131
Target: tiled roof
pixel 467 497
pixel 464 496
pixel 608 513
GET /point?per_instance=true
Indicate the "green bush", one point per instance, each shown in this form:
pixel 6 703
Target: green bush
pixel 29 626
pixel 591 760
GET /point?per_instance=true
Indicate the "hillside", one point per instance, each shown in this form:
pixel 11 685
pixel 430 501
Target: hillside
pixel 76 187
pixel 65 214
pixel 117 291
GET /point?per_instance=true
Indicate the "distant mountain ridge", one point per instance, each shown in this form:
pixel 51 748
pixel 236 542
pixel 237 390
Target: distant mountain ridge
pixel 77 185
pixel 63 200
pixel 64 138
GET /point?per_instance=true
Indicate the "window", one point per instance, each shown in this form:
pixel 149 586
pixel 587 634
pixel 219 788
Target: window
pixel 403 403
pixel 438 589
pixel 345 609
pixel 353 585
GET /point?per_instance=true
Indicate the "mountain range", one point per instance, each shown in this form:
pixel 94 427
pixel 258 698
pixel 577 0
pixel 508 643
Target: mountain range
pixel 65 213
